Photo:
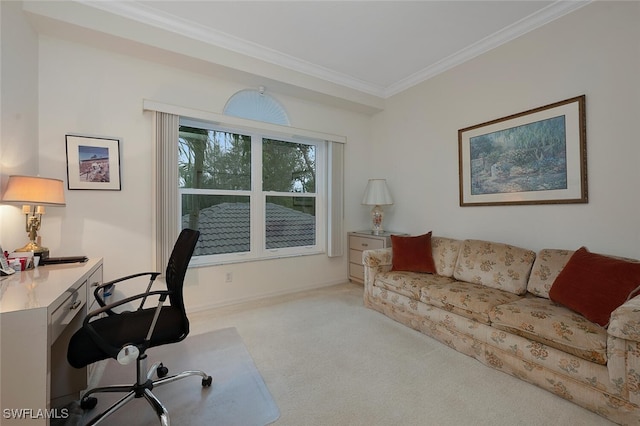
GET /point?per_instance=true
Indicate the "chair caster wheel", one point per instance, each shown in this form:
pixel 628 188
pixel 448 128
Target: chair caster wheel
pixel 88 403
pixel 207 382
pixel 162 371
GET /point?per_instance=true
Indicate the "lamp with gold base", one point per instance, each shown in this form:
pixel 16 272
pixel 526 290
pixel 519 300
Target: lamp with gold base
pixel 34 193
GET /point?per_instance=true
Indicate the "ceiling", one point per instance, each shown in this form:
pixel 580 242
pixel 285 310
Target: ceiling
pixel 350 54
pixel 377 47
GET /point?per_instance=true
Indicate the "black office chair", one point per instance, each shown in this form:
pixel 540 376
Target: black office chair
pixel 126 336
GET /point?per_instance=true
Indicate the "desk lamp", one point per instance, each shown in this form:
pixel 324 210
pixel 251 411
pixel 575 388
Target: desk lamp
pixel 34 193
pixel 377 194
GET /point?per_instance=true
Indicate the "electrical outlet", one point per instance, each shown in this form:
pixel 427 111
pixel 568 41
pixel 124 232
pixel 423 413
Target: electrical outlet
pixel 228 277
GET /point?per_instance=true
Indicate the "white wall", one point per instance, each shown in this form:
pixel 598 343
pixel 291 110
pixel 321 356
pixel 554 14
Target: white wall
pixel 18 112
pixel 91 91
pixel 594 51
pixel 413 143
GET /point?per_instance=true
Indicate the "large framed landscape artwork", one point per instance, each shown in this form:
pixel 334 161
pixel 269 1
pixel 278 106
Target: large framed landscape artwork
pixel 534 157
pixel 93 162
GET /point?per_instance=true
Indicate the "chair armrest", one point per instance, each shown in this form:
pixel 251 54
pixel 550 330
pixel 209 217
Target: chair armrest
pixel 103 344
pixel 98 296
pixel 624 322
pixel 153 275
pixel 126 300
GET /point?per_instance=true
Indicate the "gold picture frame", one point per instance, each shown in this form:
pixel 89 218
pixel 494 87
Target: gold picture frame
pixel 537 156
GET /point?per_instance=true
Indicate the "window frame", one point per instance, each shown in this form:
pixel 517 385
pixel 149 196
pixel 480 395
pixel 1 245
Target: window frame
pixel 258 197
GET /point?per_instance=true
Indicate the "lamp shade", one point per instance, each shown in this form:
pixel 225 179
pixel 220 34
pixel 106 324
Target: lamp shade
pixel 34 190
pixel 377 193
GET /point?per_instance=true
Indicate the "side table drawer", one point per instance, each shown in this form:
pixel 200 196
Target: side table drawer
pixel 355 256
pixel 363 243
pixel 359 242
pixel 356 271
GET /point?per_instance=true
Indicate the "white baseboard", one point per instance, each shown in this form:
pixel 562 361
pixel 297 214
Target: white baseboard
pixel 230 302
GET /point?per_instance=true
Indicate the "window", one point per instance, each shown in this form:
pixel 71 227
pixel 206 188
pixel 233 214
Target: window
pixel 252 195
pixel 256 105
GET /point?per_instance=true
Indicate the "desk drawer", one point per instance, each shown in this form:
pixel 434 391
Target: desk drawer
pixel 73 305
pixel 94 281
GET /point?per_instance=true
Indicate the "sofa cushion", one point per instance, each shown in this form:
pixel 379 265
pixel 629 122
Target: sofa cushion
pixel 445 254
pixel 547 266
pixel 549 323
pixel 408 283
pixel 595 285
pixel 494 265
pixel 412 254
pixel 469 300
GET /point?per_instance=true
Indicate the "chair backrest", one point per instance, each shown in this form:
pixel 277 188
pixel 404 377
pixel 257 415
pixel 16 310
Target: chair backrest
pixel 177 266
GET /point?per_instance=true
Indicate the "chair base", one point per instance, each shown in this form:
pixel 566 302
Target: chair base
pixel 141 389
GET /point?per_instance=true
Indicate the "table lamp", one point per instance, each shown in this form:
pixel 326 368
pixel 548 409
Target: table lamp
pixel 377 194
pixel 34 193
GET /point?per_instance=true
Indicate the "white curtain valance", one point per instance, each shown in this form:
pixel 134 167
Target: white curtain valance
pixel 239 123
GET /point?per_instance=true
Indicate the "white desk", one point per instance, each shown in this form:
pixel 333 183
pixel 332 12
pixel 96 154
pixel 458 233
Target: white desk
pixel 40 309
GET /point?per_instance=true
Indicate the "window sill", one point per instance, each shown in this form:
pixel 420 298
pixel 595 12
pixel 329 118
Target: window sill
pixel 199 262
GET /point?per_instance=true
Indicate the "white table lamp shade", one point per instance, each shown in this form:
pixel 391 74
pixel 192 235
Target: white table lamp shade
pixel 34 190
pixel 377 193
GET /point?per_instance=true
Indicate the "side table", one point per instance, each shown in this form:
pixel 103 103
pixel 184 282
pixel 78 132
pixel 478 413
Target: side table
pixel 360 241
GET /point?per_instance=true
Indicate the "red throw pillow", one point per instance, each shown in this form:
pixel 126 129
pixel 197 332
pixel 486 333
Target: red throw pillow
pixel 595 285
pixel 412 254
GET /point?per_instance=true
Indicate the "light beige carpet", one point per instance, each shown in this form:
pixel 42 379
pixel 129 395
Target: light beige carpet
pixel 328 360
pixel 238 395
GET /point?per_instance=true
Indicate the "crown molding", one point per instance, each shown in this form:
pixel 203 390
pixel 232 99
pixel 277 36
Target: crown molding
pixel 138 11
pixel 507 34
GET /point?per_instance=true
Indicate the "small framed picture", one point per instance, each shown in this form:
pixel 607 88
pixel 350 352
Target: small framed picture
pixel 93 163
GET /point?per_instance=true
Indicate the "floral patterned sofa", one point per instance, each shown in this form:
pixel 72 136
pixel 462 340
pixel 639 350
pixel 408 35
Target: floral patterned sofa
pixel 491 301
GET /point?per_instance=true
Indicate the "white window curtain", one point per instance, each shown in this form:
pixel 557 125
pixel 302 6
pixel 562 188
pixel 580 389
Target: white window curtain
pixel 166 191
pixel 335 206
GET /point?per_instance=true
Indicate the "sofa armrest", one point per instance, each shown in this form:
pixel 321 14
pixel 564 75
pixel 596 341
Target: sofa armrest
pixel 624 322
pixel 374 261
pixel 378 257
pixel 623 349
